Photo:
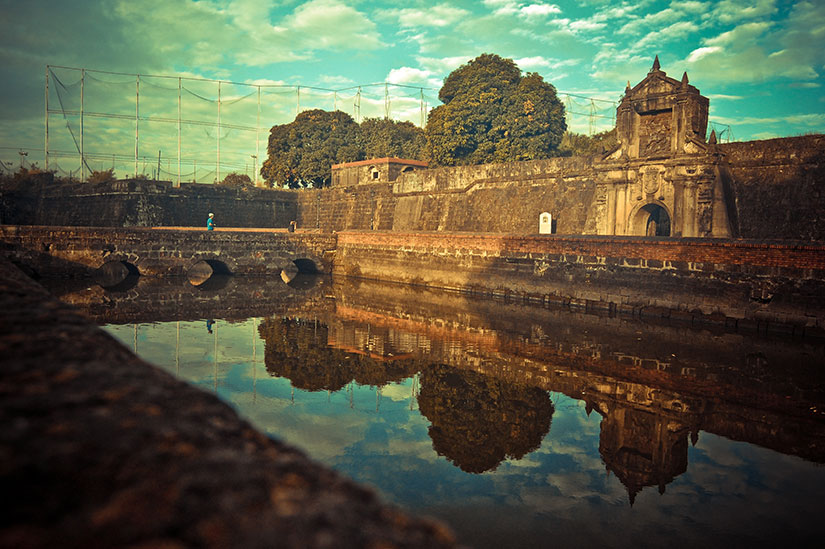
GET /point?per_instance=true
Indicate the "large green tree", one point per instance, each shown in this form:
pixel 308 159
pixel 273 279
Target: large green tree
pixel 493 113
pixel 382 137
pixel 300 154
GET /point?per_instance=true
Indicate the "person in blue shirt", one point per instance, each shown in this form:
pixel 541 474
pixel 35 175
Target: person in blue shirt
pixel 210 223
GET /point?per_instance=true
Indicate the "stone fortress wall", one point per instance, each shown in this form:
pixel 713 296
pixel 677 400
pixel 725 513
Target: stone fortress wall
pixel 663 169
pixel 772 189
pixel 663 179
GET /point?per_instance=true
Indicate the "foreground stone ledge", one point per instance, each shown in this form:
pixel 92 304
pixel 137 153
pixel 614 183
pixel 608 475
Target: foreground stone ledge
pixel 99 448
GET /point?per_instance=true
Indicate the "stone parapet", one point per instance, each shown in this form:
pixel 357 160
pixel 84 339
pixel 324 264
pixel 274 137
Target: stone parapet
pixel 101 449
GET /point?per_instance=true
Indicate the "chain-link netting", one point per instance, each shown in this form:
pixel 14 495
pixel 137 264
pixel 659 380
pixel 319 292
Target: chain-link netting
pixel 192 129
pixel 189 129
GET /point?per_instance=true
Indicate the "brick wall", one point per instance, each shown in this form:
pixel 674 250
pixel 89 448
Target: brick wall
pixel 78 251
pixel 783 283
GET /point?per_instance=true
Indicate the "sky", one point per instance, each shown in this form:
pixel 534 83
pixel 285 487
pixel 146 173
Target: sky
pixel 760 62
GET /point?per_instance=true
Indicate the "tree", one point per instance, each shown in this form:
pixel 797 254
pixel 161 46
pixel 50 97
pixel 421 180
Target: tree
pixel 102 176
pixel 382 137
pixel 576 144
pixel 300 154
pixel 491 113
pixel 237 180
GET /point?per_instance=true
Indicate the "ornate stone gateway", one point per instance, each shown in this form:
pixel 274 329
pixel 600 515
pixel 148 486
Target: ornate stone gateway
pixel 663 178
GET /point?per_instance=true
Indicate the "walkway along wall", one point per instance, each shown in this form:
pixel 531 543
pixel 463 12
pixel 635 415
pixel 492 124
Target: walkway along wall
pixel 743 283
pixel 80 251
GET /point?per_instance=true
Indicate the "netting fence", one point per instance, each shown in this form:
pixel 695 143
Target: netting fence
pixel 193 129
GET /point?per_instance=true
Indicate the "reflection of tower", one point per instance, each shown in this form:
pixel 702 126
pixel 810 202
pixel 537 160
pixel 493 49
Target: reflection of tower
pixel 643 449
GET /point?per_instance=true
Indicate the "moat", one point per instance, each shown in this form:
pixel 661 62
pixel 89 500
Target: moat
pixel 517 425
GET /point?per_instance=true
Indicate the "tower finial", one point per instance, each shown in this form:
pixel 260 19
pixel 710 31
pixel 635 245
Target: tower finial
pixel 712 138
pixel 684 79
pixel 655 64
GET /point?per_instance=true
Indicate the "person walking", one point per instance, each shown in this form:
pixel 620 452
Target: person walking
pixel 210 222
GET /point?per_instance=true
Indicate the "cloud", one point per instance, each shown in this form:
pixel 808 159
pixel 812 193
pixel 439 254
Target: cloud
pixel 585 25
pixel 538 10
pixel 442 65
pixel 806 119
pixel 762 51
pixel 677 31
pixel 654 19
pixel 335 80
pixel 413 76
pixel 724 97
pixel 731 11
pixel 699 53
pixel 329 24
pixel 535 63
pixel 441 15
pixel 521 9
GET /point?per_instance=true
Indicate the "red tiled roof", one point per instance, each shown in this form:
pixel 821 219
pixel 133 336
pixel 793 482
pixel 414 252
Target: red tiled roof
pixel 386 160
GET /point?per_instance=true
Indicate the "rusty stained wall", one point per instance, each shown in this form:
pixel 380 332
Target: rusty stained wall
pixel 142 203
pixel 761 189
pixel 772 189
pixel 777 187
pixel 78 251
pixel 748 281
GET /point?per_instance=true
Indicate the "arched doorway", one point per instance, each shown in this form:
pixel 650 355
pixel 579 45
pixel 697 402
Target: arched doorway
pixel 651 220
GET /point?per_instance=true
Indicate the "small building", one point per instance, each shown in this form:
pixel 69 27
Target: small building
pixel 376 170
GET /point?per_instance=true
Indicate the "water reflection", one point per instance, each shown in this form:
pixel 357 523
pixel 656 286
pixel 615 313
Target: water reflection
pixel 446 405
pixel 478 421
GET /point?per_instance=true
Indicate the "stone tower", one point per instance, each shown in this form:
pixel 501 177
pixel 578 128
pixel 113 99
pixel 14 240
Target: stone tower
pixel 663 178
pixel 661 116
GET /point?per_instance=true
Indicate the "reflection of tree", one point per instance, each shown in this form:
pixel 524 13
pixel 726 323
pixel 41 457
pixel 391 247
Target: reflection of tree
pixel 478 421
pixel 297 350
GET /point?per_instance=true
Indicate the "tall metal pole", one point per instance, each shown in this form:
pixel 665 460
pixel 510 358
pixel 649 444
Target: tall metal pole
pixel 386 101
pixel 218 166
pixel 257 137
pixel 46 146
pixel 82 156
pixel 423 122
pixel 179 87
pixel 137 118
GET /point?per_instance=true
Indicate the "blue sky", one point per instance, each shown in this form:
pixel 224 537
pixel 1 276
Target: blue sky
pixel 761 62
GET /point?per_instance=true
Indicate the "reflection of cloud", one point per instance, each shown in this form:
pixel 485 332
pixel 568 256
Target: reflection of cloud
pixel 574 485
pixel 397 391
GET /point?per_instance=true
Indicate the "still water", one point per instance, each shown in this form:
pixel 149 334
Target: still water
pixel 517 425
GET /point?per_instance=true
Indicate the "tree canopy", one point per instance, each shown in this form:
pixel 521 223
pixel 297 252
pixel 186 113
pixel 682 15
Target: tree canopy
pixel 576 144
pixel 235 179
pixel 382 137
pixel 299 154
pixel 491 113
